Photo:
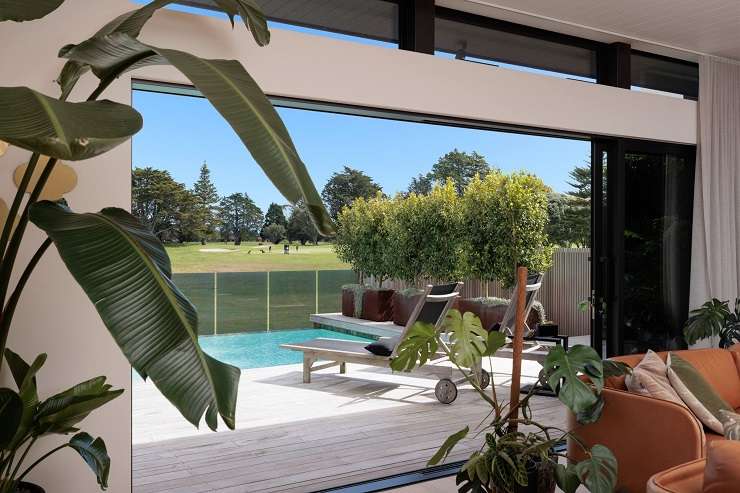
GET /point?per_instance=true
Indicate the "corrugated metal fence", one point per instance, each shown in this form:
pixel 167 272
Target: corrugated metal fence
pixel 566 285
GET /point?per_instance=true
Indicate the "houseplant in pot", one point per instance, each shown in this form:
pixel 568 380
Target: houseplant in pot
pixel 361 242
pixel 422 243
pixel 504 220
pixel 517 453
pixel 714 319
pixel 121 266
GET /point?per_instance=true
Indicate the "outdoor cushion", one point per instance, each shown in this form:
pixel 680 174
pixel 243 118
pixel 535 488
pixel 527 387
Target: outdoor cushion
pixel 730 424
pixel 696 392
pixel 722 472
pixel 649 378
pixel 383 347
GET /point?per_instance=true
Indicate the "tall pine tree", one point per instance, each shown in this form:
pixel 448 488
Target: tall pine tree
pixel 206 202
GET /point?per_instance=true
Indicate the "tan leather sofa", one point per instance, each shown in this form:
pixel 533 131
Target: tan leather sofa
pixel 718 473
pixel 649 435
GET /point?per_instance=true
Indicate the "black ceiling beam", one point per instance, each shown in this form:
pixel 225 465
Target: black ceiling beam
pixel 416 25
pixel 613 65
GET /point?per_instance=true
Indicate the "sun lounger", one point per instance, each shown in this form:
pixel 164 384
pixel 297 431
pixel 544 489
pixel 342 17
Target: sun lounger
pixel 431 308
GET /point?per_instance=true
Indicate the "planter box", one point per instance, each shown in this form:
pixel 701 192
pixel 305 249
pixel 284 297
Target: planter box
pixel 403 305
pixel 547 330
pixel 489 314
pixel 377 304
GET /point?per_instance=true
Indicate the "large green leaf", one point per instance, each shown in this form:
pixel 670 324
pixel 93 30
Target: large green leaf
pixel 419 345
pixel 599 472
pixel 95 455
pixel 563 369
pixel 70 131
pixel 11 413
pixel 61 412
pixel 25 378
pixel 27 10
pixel 132 22
pixel 154 324
pixel 234 94
pixel 468 338
pixel 706 321
pixel 567 478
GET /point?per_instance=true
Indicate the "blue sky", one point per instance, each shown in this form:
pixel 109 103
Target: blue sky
pixel 181 132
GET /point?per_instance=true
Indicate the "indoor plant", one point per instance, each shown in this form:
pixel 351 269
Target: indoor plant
pixel 121 266
pixel 360 241
pixel 714 319
pixel 513 460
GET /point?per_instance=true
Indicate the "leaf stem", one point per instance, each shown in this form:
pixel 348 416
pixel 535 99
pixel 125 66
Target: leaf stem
pixel 23 457
pixel 41 459
pixel 13 212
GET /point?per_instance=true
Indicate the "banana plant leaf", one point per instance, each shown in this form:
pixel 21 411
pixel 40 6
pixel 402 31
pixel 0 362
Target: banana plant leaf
pixel 62 130
pixel 11 413
pixel 111 257
pixel 95 455
pixel 133 22
pixel 25 378
pixel 236 96
pixel 27 10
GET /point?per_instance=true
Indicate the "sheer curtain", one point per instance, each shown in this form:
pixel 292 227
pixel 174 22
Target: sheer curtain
pixel 715 271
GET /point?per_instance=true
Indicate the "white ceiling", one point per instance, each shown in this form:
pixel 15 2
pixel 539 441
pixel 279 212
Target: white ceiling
pixel 680 28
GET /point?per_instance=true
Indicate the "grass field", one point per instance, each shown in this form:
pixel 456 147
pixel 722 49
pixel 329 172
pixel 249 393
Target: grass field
pixel 251 257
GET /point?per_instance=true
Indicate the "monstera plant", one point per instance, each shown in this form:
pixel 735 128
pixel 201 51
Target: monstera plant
pixel 511 458
pixel 121 266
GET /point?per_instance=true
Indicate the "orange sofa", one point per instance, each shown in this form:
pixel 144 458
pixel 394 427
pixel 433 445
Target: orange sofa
pixel 649 435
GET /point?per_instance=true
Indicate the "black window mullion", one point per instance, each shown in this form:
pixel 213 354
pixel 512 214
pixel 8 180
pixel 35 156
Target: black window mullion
pixel 416 25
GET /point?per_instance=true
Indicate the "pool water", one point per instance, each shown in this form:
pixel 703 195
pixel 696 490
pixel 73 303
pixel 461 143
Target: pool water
pixel 262 349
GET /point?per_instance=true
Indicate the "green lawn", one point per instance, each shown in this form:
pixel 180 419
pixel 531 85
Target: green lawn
pixel 249 257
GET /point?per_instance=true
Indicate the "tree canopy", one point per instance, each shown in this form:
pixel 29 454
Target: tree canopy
pixel 240 217
pixel 345 187
pixel 162 204
pixel 300 227
pixel 274 215
pixel 459 166
pixel 206 204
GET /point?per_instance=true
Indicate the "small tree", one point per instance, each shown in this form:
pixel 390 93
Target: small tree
pixel 361 238
pixel 274 233
pixel 504 226
pixel 239 216
pixel 300 227
pixel 274 215
pixel 423 235
pixel 206 204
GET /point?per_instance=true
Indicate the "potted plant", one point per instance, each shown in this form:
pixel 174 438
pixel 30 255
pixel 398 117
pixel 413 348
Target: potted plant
pixel 490 310
pixel 714 319
pixel 422 243
pixel 360 241
pixel 504 221
pixel 121 266
pixel 547 328
pixel 511 459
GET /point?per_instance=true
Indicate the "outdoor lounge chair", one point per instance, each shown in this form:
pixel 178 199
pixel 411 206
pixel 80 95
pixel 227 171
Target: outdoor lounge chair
pixel 431 308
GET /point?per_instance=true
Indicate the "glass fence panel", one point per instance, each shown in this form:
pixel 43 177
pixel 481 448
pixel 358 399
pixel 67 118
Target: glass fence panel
pixel 292 299
pixel 242 301
pixel 330 288
pixel 199 288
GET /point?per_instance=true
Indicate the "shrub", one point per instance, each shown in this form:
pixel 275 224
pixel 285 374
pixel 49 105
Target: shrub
pixel 361 238
pixel 504 220
pixel 423 235
pixel 274 233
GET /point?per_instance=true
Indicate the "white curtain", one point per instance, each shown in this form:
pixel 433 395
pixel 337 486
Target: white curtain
pixel 715 270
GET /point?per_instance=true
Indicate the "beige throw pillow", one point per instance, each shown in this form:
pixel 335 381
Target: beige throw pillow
pixel 696 392
pixel 649 378
pixel 730 424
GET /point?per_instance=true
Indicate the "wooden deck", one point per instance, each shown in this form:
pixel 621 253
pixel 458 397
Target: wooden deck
pixel 295 437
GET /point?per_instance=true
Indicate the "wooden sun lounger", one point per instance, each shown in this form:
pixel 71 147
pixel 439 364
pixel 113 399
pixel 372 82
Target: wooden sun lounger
pixel 432 308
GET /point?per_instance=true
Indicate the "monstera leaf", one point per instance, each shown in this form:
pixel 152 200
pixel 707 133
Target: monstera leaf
pixel 62 130
pixel 468 338
pixel 131 23
pixel 416 348
pixel 563 369
pixel 27 10
pixel 599 472
pixel 121 268
pixel 234 94
pixel 447 446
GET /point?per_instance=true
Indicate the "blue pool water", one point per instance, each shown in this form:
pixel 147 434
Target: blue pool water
pixel 262 349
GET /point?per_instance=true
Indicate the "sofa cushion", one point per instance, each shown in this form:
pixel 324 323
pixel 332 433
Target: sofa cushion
pixel 722 472
pixel 719 368
pixel 649 378
pixel 686 478
pixel 696 392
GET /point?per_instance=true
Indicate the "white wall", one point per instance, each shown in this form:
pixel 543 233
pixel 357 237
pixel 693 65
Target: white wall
pixel 55 316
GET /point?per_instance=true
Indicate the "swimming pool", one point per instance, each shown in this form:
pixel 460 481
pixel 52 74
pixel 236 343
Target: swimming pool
pixel 262 349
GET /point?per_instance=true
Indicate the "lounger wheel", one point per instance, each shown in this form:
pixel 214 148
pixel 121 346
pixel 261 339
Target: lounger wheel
pixel 446 391
pixel 485 379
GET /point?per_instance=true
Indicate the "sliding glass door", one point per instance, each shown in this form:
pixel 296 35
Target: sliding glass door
pixel 641 244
